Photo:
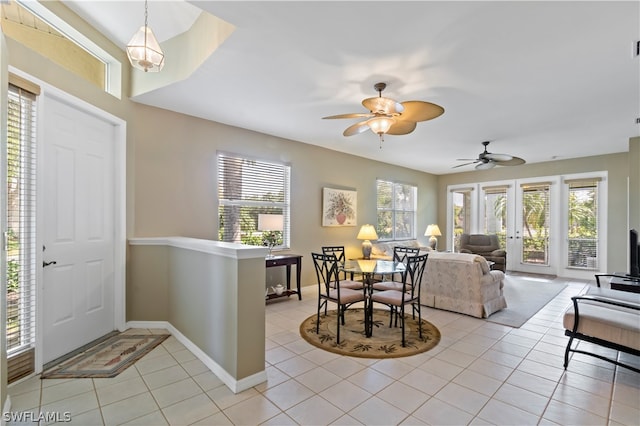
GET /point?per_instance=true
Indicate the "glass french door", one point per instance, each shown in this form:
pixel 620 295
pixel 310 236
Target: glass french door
pixel 519 213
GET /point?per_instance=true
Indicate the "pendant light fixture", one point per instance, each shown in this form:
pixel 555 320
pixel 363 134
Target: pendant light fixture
pixel 143 50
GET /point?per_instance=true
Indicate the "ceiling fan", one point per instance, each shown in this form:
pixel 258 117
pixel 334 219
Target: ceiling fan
pixel 387 116
pixel 487 160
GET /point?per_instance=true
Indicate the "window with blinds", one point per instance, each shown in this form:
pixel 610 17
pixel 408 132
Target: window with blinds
pixel 396 210
pixel 21 235
pixel 582 232
pixel 247 190
pixel 495 212
pixel 461 220
pixel 535 223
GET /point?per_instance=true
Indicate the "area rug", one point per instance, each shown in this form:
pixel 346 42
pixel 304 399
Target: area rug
pixel 106 359
pixel 525 296
pixel 386 342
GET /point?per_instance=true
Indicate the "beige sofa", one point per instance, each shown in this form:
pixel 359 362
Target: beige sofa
pixel 384 250
pixel 462 283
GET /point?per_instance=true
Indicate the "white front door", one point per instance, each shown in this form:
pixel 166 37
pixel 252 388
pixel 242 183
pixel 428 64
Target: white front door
pixel 78 197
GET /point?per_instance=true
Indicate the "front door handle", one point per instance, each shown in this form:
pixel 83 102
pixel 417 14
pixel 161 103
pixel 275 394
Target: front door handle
pixel 45 264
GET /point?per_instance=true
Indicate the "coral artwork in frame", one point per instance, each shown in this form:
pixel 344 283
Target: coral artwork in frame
pixel 339 207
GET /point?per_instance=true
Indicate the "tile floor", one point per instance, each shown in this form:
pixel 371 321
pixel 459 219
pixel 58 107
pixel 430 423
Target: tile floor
pixel 481 373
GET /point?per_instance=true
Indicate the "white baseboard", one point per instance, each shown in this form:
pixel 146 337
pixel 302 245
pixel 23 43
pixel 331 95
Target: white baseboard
pixel 234 385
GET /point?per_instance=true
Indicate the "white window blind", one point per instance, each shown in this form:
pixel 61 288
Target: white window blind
pixel 21 235
pixel 535 223
pixel 247 188
pixel 396 208
pixel 495 212
pixel 461 220
pixel 582 232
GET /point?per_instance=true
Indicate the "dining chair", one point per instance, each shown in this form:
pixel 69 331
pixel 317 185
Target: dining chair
pixel 338 252
pixel 327 271
pixel 396 300
pixel 400 254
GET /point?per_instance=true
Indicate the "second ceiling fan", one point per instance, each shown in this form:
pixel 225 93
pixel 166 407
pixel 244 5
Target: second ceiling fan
pixel 488 160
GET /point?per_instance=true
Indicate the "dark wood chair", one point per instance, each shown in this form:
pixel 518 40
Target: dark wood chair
pixel 329 291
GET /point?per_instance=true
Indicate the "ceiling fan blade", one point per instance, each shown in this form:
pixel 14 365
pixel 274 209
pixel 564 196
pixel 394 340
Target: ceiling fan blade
pixel 486 166
pixel 420 111
pixel 498 157
pixel 515 161
pixel 357 128
pixel 402 128
pixel 468 159
pixel 383 105
pixel 462 165
pixel 354 115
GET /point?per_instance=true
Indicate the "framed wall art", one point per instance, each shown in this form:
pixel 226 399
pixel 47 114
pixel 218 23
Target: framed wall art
pixel 339 207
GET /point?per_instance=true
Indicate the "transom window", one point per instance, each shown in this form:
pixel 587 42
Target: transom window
pixel 396 207
pixel 248 190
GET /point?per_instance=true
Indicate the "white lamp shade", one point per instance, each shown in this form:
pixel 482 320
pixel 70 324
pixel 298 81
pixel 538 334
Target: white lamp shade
pixel 432 231
pixel 380 125
pixel 270 222
pixel 144 51
pixel 367 232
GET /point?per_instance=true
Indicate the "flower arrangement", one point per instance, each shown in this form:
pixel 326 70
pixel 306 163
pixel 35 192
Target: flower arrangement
pixel 339 207
pixel 271 239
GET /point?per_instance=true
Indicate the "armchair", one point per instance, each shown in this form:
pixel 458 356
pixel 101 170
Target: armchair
pixel 486 246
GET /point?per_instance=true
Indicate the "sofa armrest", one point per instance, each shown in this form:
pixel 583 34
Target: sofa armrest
pixel 499 253
pixel 466 251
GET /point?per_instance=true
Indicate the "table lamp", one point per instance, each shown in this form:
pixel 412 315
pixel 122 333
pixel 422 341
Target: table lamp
pixel 272 226
pixel 433 231
pixel 367 232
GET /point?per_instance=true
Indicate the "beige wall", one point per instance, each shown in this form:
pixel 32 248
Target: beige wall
pixel 617 166
pixel 176 194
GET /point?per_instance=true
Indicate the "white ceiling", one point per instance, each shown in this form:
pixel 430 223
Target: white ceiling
pixel 542 80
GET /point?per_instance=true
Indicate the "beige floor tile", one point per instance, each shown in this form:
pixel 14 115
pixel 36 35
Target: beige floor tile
pixel 129 409
pixel 218 419
pixel 404 397
pixel 252 411
pixel 437 412
pixel 121 390
pixel 565 414
pixel 295 366
pixel 582 399
pixel 522 398
pixel 75 405
pixel 65 390
pixel 90 418
pixel 183 355
pixel 176 392
pixel 287 394
pixel 224 398
pixel 497 412
pixel 478 382
pixel 280 420
pixel 164 377
pixel 345 395
pixel 190 410
pixel 462 398
pixel 343 367
pixel 208 381
pixel 424 381
pixel 25 401
pixel 393 367
pixel 315 411
pixel 194 367
pixel 149 365
pixel 318 379
pixel 130 373
pixel 371 380
pixel 27 385
pixel 375 411
pixel 152 419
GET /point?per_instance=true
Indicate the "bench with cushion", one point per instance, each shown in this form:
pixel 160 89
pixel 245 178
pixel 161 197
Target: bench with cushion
pixel 609 318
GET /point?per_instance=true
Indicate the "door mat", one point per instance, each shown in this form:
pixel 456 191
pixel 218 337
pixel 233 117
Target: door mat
pixel 106 359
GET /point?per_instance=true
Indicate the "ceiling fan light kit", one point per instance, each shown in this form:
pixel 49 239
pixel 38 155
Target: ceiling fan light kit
pixel 387 116
pixel 487 160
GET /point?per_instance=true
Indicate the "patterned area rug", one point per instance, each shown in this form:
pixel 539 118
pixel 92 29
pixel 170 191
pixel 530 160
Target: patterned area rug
pixel 386 342
pixel 107 358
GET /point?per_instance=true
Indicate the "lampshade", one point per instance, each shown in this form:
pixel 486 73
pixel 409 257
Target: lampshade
pixel 432 230
pixel 270 222
pixel 367 232
pixel 143 50
pixel 380 125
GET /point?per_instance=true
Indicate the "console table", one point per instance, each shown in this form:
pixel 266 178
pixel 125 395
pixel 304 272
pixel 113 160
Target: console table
pixel 286 260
